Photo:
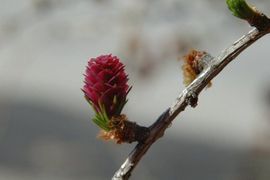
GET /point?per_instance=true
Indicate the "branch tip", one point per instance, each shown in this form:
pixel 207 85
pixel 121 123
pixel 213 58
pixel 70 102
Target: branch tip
pixel 242 10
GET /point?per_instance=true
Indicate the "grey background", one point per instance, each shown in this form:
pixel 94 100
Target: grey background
pixel 45 124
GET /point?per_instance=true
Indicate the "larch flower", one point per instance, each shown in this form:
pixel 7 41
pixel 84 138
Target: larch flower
pixel 106 88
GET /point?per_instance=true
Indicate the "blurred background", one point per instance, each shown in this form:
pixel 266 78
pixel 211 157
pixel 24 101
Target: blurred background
pixel 46 132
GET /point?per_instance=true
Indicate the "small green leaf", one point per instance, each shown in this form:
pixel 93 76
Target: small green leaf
pixel 101 121
pixel 101 118
pixel 241 9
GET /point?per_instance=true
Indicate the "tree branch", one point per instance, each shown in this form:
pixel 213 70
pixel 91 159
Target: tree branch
pixel 189 96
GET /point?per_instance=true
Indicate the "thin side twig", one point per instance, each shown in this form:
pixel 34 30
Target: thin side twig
pixel 189 96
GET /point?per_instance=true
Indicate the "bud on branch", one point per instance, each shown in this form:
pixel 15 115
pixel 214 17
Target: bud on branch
pixel 242 10
pixel 106 91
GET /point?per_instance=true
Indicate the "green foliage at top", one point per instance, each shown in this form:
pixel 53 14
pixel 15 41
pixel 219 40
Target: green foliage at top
pixel 241 9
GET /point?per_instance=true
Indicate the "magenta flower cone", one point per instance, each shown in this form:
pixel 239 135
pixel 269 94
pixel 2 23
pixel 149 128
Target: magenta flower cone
pixel 106 88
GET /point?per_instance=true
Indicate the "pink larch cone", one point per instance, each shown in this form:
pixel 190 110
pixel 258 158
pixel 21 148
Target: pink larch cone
pixel 106 88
